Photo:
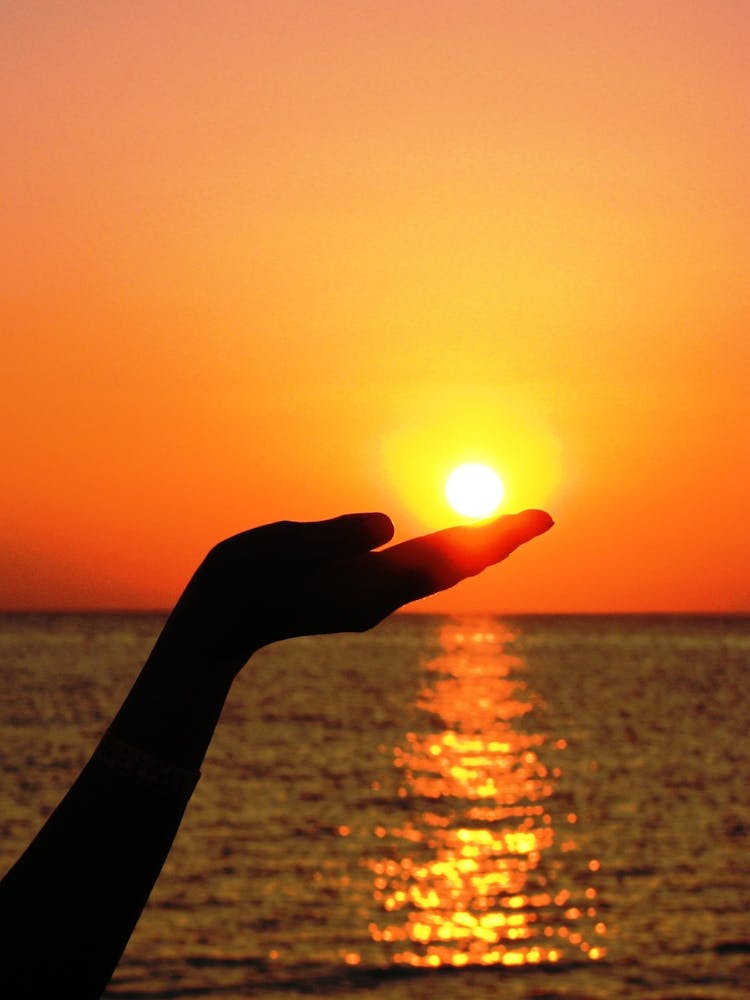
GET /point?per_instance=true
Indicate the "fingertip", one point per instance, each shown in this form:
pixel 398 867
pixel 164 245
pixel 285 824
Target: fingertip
pixel 538 521
pixel 379 527
pixel 347 534
pixel 497 539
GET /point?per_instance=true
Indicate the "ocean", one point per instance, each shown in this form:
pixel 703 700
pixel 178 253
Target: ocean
pixel 469 808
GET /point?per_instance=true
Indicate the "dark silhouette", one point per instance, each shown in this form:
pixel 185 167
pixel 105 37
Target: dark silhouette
pixel 70 903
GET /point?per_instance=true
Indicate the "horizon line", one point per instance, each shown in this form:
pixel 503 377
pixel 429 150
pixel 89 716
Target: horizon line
pixel 163 612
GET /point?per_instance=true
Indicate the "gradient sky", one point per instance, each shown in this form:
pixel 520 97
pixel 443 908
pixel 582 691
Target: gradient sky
pixel 288 259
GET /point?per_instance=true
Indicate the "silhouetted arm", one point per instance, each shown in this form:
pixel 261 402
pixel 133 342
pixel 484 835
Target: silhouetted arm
pixel 69 905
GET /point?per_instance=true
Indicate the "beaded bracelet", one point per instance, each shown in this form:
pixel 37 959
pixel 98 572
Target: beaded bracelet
pixel 144 767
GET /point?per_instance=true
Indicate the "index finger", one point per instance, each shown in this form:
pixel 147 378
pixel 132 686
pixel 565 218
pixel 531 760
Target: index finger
pixel 423 566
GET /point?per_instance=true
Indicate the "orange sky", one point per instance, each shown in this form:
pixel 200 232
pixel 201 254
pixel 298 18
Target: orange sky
pixel 276 259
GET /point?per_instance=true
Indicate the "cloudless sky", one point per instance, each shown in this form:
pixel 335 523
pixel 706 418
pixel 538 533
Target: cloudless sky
pixel 289 259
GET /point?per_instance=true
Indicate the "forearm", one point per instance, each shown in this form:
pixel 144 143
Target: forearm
pixel 69 905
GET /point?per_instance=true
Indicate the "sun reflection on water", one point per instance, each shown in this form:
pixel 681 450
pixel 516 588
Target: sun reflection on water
pixel 478 873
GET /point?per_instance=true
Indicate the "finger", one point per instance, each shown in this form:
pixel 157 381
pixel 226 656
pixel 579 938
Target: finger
pixel 426 565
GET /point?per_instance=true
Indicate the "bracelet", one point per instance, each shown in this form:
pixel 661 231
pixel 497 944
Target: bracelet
pixel 144 767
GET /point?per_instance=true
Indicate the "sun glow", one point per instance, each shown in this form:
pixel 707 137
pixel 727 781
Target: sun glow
pixel 431 433
pixel 474 490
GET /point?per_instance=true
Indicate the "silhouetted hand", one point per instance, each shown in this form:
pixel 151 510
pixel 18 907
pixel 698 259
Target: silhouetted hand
pixel 87 874
pixel 307 578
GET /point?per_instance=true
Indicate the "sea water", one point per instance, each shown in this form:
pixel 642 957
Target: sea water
pixel 444 807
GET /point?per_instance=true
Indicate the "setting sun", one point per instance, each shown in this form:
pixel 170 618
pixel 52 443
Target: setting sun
pixel 474 490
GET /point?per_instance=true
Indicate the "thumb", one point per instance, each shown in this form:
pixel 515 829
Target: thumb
pixel 273 551
pixel 347 535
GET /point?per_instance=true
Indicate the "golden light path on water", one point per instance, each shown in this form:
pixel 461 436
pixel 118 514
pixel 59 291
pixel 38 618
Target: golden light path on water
pixel 478 873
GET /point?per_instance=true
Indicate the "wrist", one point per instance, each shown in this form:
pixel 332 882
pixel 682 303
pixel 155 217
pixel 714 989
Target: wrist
pixel 210 655
pixel 144 769
pixel 173 707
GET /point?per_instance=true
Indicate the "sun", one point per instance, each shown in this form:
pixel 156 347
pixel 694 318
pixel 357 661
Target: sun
pixel 474 490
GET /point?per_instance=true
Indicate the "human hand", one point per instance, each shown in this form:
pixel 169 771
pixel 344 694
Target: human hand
pixel 307 578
